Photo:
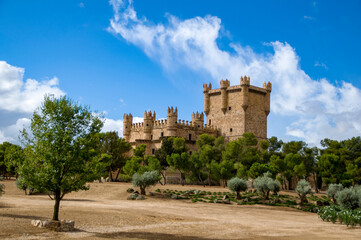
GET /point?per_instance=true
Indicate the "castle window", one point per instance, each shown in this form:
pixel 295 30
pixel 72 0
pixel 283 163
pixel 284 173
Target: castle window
pixel 126 127
pixel 151 137
pixel 199 125
pixel 153 151
pixel 147 124
pixel 230 129
pixel 162 134
pixel 229 108
pixel 190 136
pixel 209 121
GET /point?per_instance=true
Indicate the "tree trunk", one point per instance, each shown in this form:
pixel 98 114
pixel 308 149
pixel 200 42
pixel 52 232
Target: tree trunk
pixel 164 178
pixel 117 176
pixel 315 182
pixel 110 176
pixel 57 205
pixel 238 196
pixel 142 190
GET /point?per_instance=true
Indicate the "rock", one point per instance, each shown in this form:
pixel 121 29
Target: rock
pixel 140 197
pixel 132 196
pixel 36 223
pixel 226 201
pixel 62 225
pixel 217 201
pixel 136 192
pixel 225 197
pixel 130 190
pixel 174 196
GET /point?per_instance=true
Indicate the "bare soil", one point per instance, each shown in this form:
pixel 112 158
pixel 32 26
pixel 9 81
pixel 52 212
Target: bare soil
pixel 104 213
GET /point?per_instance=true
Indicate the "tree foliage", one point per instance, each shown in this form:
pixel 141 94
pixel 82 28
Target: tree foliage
pixel 302 189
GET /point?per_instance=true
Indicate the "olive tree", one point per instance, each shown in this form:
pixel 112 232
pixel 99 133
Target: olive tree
pixel 62 149
pixel 332 190
pixel 237 185
pixel 302 189
pixel 145 180
pixel 349 198
pixel 265 184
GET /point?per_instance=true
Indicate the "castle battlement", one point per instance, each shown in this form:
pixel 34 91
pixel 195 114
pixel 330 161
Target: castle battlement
pixel 230 111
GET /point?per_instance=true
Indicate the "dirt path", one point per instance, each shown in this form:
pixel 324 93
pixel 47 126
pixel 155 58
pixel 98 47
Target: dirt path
pixel 104 213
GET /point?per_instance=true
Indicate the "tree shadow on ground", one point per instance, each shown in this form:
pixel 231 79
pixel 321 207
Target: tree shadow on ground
pixel 148 236
pixel 21 216
pixel 77 200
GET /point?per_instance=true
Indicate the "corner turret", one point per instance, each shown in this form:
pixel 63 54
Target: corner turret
pixel 206 89
pixel 267 102
pixel 198 120
pixel 224 95
pixel 172 118
pixel 127 125
pixel 148 123
pixel 245 82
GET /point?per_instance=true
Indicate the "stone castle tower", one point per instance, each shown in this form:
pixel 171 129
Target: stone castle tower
pixel 230 110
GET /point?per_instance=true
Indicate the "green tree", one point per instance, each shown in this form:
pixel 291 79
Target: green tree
pixel 264 184
pixel 302 189
pixel 165 150
pixel 116 148
pixel 258 169
pixel 237 185
pixel 332 190
pixel 62 149
pixel 145 180
pixel 179 162
pixel 2 187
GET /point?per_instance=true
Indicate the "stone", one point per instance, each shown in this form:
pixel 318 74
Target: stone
pixel 140 197
pixel 225 197
pixel 217 201
pixel 174 196
pixel 58 226
pixel 130 190
pixel 132 196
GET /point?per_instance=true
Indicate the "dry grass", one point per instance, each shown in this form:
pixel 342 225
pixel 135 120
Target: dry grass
pixel 104 213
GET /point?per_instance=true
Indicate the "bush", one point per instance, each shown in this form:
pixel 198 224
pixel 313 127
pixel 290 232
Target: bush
pixel 332 190
pixel 275 187
pixel 145 180
pixel 237 185
pixel 335 213
pixel 302 189
pixel 266 184
pixel 348 198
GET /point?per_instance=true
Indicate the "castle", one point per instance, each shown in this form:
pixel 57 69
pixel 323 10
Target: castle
pixel 230 111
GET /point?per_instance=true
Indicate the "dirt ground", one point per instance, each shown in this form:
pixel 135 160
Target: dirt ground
pixel 104 213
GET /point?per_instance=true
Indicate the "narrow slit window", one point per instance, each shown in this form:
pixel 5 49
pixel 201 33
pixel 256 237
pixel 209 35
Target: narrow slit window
pixel 230 129
pixel 190 136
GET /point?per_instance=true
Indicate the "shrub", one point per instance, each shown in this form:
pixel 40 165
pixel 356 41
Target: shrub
pixel 275 187
pixel 145 180
pixel 332 190
pixel 266 184
pixel 348 198
pixel 302 189
pixel 237 185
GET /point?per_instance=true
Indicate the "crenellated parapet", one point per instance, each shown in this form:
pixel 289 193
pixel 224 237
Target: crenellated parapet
pixel 245 83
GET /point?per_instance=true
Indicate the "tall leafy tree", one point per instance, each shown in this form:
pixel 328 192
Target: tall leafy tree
pixel 62 149
pixel 116 148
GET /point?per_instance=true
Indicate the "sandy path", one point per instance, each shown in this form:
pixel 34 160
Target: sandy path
pixel 104 213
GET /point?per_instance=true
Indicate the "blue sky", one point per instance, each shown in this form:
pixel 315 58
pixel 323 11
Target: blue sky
pixel 120 57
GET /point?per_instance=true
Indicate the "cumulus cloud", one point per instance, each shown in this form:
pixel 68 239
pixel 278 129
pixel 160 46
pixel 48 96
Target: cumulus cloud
pixel 318 108
pixel 19 96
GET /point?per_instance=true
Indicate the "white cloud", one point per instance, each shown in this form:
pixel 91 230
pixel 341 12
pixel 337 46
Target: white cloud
pixel 19 96
pixel 308 17
pixel 317 108
pixel 11 133
pixel 318 64
pixel 81 5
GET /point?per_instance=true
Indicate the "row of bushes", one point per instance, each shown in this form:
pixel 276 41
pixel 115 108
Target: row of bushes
pixel 335 214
